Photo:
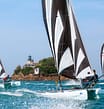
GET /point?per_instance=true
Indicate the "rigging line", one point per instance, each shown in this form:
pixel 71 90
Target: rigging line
pixel 96 80
pixel 101 76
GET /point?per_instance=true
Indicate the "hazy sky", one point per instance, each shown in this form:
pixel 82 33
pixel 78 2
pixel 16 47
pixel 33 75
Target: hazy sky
pixel 22 31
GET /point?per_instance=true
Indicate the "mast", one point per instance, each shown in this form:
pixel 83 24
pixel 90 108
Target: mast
pixel 65 39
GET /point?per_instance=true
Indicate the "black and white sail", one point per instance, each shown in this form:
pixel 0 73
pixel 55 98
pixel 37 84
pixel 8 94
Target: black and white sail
pixel 102 58
pixel 3 74
pixel 64 38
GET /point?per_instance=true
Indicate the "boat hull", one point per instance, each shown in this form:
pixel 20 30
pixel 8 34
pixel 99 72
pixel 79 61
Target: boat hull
pixel 77 94
pixel 7 84
pixel 15 83
pixel 2 85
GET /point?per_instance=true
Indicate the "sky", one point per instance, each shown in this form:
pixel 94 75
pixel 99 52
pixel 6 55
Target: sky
pixel 22 31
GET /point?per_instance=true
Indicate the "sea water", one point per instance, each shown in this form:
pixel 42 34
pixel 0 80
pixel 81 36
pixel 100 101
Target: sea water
pixel 26 96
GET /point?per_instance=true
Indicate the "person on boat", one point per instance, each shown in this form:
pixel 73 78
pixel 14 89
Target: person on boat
pixel 95 75
pixel 90 81
pixel 94 79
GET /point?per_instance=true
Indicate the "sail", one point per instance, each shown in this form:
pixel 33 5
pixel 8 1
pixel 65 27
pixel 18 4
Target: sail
pixel 3 74
pixel 65 40
pixel 102 58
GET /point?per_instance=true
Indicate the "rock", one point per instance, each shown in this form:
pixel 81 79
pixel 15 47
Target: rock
pixel 20 76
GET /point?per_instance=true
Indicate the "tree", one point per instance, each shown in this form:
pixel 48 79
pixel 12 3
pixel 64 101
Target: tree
pixel 47 66
pixel 17 70
pixel 27 70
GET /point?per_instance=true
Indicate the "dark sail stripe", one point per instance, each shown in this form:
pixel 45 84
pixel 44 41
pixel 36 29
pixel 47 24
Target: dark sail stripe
pixel 102 58
pixel 1 68
pixel 81 63
pixel 64 38
pixel 79 44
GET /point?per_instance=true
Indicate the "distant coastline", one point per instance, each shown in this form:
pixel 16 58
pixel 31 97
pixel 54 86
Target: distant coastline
pixel 30 77
pixel 43 70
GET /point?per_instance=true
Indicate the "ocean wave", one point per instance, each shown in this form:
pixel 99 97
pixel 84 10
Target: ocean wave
pixel 26 90
pixel 55 104
pixel 101 83
pixel 72 82
pixel 11 94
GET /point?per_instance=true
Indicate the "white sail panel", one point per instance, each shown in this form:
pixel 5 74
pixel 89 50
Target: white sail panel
pixel 80 58
pixel 58 32
pixel 4 75
pixel 48 7
pixel 87 72
pixel 103 63
pixel 72 26
pixel 65 39
pixel 0 68
pixel 66 60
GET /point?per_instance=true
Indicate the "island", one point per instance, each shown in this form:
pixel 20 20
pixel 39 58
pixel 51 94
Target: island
pixel 43 70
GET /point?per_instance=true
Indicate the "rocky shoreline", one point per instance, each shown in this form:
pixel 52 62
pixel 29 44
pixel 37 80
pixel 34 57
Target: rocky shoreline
pixel 20 76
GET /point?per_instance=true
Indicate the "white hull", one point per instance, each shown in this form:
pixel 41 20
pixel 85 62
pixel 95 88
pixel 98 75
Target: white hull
pixel 2 85
pixel 5 85
pixel 77 94
pixel 15 83
pixel 9 84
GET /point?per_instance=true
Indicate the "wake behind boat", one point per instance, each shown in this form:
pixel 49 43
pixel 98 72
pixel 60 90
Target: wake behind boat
pixel 67 49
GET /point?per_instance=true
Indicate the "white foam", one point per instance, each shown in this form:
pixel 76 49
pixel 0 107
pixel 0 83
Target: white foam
pixel 34 107
pixel 100 91
pixel 72 82
pixel 36 83
pixel 26 90
pixel 11 94
pixel 101 83
pixel 1 85
pixel 63 106
pixel 59 105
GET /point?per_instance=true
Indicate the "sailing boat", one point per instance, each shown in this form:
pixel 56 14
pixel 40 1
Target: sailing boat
pixel 66 46
pixel 4 77
pixel 102 59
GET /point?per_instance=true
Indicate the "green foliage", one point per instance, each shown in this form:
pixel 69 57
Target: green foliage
pixel 27 70
pixel 17 70
pixel 47 66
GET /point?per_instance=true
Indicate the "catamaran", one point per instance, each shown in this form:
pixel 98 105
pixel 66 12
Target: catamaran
pixel 67 49
pixel 5 81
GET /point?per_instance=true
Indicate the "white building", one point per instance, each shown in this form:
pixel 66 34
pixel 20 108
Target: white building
pixel 30 63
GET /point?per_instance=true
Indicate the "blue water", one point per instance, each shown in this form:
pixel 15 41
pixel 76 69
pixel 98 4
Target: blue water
pixel 26 96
